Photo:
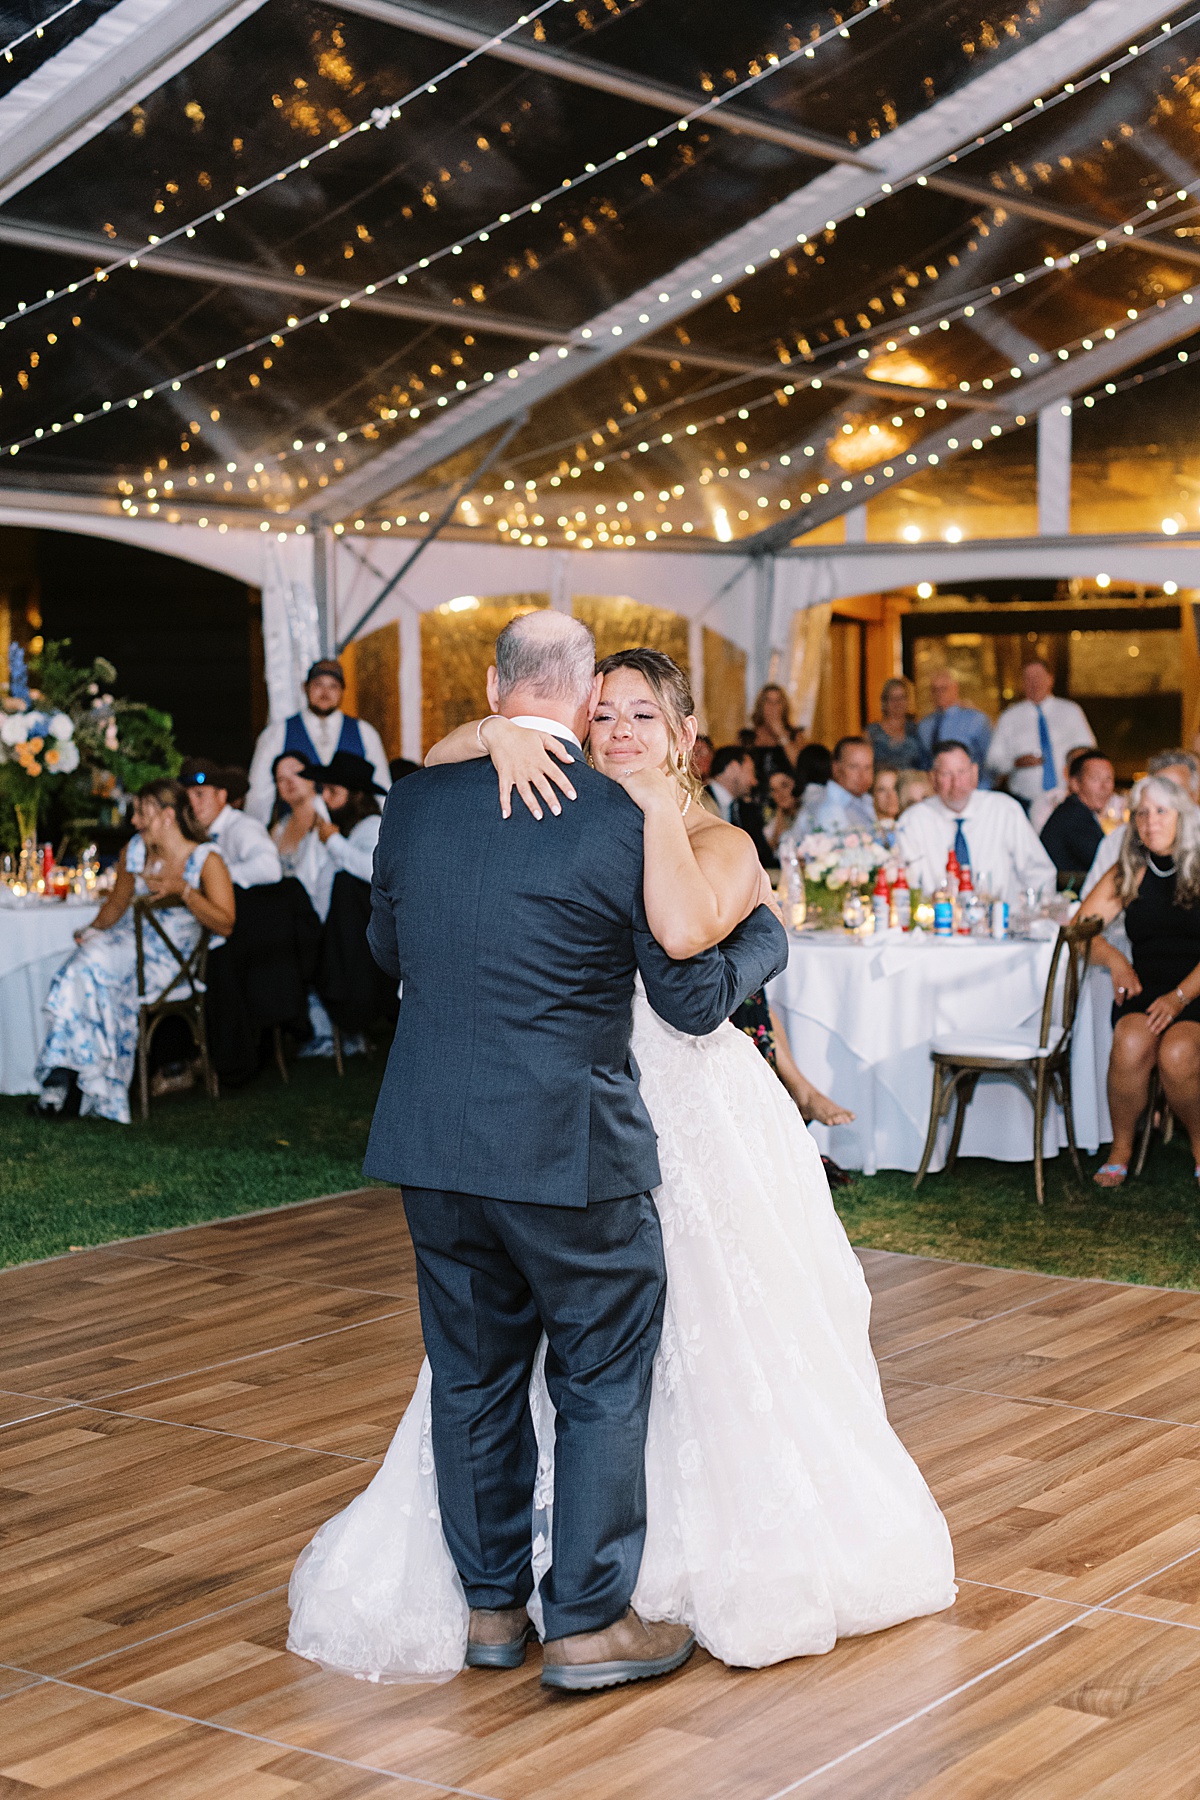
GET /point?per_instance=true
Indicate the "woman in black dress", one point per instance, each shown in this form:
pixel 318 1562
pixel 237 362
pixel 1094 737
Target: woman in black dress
pixel 1156 1015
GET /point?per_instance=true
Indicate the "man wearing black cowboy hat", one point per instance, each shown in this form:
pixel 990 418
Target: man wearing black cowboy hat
pixel 349 834
pixel 315 734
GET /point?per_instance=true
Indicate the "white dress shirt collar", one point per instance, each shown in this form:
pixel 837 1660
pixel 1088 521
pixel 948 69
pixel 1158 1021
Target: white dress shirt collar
pixel 723 798
pixel 534 723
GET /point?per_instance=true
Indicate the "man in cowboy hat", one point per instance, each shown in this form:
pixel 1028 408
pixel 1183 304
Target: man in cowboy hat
pixel 316 733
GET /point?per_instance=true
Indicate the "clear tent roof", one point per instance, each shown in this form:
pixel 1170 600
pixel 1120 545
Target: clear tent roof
pixel 259 393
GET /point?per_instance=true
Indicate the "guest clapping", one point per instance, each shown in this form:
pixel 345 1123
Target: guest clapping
pixel 86 1063
pixel 350 832
pixel 1156 885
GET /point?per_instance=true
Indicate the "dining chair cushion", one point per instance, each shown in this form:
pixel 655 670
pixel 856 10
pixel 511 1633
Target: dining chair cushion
pixel 1012 1046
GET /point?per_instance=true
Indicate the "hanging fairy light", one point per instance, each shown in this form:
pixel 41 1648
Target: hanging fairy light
pixel 36 31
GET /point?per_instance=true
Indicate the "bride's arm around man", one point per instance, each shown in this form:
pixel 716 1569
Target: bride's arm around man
pixel 510 1115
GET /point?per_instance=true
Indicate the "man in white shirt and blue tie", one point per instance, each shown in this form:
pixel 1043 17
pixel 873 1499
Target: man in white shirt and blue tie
pixel 1034 736
pixel 988 833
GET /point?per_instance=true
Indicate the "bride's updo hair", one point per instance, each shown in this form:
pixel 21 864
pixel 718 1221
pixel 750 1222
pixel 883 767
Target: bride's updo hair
pixel 673 691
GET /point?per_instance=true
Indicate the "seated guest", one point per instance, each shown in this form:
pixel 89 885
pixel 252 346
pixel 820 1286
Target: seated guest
pixel 350 831
pixel 730 796
pixel 781 808
pixel 1050 798
pixel 245 843
pixel 988 833
pixel 1073 832
pixel 846 804
pixel 702 757
pixel 814 766
pixel 732 778
pixel 87 1060
pixel 951 721
pixel 912 786
pixel 893 735
pixel 885 796
pixel 776 742
pixel 313 734
pixel 1175 765
pixel 294 824
pixel 1156 1015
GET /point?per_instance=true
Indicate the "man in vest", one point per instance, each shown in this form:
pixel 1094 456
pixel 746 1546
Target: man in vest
pixel 315 734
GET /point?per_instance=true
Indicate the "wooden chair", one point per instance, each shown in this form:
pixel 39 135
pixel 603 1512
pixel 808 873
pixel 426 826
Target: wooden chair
pixel 182 998
pixel 1156 1109
pixel 1039 1063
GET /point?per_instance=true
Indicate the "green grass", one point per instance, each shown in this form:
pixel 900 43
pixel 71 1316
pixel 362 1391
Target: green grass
pixel 88 1182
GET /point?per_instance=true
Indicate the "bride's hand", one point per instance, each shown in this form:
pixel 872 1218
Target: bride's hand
pixel 523 758
pixel 648 787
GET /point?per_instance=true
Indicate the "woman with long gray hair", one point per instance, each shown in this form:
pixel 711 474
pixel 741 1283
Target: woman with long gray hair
pixel 1156 1011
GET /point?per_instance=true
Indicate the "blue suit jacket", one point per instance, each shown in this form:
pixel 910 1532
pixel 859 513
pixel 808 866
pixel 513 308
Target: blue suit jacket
pixel 517 942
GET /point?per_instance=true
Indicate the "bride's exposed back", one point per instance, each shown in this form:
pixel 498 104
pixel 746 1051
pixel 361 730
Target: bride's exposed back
pixel 782 1510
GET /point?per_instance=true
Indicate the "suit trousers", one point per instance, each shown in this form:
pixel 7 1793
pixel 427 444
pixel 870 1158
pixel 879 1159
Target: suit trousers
pixel 492 1276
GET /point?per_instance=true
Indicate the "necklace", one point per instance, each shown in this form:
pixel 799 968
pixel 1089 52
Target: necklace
pixel 1154 868
pixel 686 804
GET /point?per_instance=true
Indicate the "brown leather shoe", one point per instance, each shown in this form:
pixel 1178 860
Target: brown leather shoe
pixel 631 1650
pixel 497 1640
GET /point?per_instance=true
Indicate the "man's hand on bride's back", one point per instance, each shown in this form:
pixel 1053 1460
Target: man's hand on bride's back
pixel 524 758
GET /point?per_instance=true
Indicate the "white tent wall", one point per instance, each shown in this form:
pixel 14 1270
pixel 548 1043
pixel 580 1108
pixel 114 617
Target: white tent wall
pixel 751 603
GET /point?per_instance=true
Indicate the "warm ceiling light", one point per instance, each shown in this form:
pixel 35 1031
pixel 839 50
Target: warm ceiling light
pixel 722 526
pixel 924 590
pixel 1170 526
pixel 953 534
pixel 911 534
pixel 1170 587
pixel 1103 580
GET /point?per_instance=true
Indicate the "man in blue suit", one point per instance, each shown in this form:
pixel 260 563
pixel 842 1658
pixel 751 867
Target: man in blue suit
pixel 511 1115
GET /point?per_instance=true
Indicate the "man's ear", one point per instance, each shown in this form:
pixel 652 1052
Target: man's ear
pixel 493 688
pixel 594 697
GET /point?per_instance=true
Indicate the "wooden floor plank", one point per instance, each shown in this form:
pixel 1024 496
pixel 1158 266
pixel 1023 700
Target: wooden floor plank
pixel 315 1395
pixel 1116 1349
pixel 1105 1711
pixel 709 1733
pixel 354 1240
pixel 915 1300
pixel 1172 1596
pixel 14 1407
pixel 1071 1504
pixel 117 1529
pixel 61 1744
pixel 99 1327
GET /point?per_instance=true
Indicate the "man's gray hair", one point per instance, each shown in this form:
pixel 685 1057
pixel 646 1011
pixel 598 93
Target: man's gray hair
pixel 1178 759
pixel 547 654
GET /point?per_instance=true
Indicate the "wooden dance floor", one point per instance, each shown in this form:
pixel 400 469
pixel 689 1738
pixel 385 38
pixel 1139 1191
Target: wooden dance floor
pixel 180 1413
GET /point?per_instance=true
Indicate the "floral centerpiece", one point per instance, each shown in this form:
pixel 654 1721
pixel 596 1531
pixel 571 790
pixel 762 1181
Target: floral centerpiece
pixel 68 745
pixel 835 862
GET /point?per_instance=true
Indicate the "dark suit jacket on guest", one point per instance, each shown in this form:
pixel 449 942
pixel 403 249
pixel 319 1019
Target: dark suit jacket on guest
pixel 1071 836
pixel 517 942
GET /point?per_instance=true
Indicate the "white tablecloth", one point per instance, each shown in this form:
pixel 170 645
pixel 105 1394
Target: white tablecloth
pixel 35 941
pixel 860 1015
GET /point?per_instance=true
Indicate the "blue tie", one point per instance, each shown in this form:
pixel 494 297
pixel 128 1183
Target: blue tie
pixel 1049 772
pixel 960 846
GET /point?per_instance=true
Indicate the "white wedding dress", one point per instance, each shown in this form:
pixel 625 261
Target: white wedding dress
pixel 783 1512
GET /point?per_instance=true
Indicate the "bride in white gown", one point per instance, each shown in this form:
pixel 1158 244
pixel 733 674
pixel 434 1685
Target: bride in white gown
pixel 783 1512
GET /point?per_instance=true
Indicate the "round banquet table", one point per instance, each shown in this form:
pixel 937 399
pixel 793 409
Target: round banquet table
pixel 860 1015
pixel 36 938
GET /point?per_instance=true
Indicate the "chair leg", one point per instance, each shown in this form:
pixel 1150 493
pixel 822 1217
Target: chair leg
pixel 1064 1077
pixel 1039 1130
pixel 209 1074
pixel 280 1060
pixel 1153 1101
pixel 936 1107
pixel 337 1050
pixel 143 1066
pixel 966 1093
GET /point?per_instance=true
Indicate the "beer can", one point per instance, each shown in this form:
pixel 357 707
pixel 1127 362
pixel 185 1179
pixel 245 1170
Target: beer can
pixel 999 918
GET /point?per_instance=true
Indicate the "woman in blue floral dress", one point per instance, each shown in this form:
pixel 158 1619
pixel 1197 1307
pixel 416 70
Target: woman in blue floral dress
pixel 86 1062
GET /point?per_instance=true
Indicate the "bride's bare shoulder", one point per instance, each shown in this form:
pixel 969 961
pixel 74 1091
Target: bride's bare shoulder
pixel 718 844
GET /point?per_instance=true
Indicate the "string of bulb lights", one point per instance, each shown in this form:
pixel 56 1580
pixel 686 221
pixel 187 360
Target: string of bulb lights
pixel 36 31
pixel 463 388
pixel 967 308
pixel 383 116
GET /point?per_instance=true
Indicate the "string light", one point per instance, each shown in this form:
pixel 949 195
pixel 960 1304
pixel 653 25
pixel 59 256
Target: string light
pixel 36 31
pixel 381 118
